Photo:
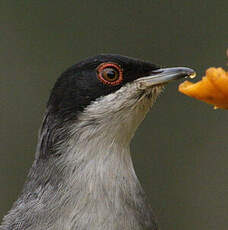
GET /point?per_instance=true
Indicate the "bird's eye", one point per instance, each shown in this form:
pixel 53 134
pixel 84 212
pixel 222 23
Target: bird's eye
pixel 110 73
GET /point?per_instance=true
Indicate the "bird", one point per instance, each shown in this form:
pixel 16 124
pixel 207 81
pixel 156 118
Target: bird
pixel 82 177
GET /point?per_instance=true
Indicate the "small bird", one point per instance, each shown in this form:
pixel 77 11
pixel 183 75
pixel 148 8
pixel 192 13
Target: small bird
pixel 82 177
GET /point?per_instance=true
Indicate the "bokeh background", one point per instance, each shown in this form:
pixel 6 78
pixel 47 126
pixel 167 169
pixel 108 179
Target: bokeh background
pixel 180 152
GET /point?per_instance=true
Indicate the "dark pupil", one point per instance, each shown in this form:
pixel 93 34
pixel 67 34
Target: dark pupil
pixel 110 74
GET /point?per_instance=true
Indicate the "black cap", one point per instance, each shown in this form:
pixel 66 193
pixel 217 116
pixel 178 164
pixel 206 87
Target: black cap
pixel 79 85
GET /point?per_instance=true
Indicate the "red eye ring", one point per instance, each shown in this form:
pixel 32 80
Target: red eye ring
pixel 104 69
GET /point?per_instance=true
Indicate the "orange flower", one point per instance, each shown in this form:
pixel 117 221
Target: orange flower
pixel 212 89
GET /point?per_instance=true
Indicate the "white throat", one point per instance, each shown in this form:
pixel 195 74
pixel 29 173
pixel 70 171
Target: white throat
pixel 100 176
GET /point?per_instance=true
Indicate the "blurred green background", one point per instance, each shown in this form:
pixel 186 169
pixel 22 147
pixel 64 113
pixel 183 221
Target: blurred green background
pixel 180 152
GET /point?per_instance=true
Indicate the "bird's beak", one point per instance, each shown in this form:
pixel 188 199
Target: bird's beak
pixel 164 75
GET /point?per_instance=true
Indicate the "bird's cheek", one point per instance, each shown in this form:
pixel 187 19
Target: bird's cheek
pixel 147 85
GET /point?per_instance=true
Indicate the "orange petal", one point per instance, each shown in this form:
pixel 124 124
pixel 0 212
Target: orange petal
pixel 212 89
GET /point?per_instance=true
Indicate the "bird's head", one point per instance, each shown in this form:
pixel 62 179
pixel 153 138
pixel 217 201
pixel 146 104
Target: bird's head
pixel 109 92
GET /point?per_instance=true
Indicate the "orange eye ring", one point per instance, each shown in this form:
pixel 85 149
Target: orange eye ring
pixel 110 73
